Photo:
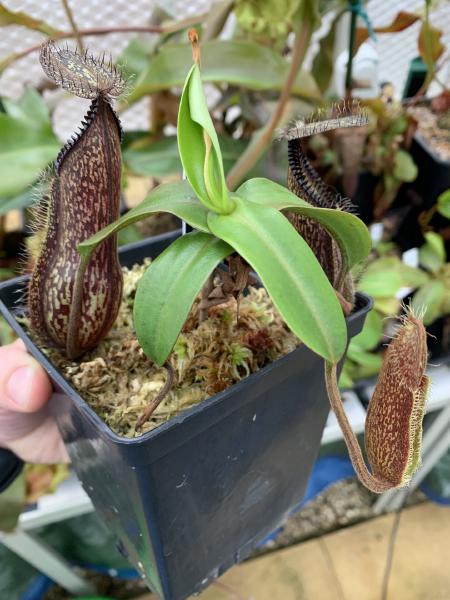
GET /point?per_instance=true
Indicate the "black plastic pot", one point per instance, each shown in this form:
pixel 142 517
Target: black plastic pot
pixel 196 495
pixel 432 179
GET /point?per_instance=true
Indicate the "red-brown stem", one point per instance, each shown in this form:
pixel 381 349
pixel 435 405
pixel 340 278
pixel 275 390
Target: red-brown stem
pixel 365 476
pixel 153 405
pixel 254 150
pixel 73 24
pixel 63 35
pixel 193 38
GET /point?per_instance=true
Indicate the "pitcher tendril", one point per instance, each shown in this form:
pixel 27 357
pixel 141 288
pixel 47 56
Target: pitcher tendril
pixel 393 433
pixel 74 301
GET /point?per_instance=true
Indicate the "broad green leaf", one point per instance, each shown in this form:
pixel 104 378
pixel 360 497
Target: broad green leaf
pixel 240 63
pixel 290 272
pixel 135 58
pixel 8 17
pixel 443 204
pixel 387 306
pixel 176 198
pixel 372 332
pixel 405 169
pixel 385 276
pixel 168 288
pixel 380 284
pixel 432 253
pixel 349 232
pixel 154 159
pixel 27 145
pixel 199 147
pixel 30 107
pixel 161 158
pixel 129 235
pixel 364 358
pixel 430 297
pixel 345 379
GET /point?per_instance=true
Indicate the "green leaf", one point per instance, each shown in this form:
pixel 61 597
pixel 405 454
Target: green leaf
pixel 27 144
pixel 443 204
pixel 129 235
pixel 380 284
pixel 432 253
pixel 372 332
pixel 155 158
pixel 345 379
pixel 405 169
pixel 349 232
pixel 160 158
pixel 430 297
pixel 8 17
pixel 199 147
pixel 240 63
pixel 385 276
pixel 290 272
pixel 135 58
pixel 30 107
pixel 168 288
pixel 176 198
pixel 364 358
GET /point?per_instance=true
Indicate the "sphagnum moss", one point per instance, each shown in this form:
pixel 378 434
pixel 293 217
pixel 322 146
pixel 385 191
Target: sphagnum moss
pixel 118 381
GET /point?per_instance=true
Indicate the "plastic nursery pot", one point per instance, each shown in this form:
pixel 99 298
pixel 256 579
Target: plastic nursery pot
pixel 196 495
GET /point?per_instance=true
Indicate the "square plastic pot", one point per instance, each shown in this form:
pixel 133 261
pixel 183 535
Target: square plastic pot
pixel 196 495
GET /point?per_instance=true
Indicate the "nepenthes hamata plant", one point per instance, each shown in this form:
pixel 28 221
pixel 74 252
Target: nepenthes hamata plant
pixel 304 262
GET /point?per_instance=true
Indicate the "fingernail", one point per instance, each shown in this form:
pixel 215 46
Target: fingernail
pixel 19 386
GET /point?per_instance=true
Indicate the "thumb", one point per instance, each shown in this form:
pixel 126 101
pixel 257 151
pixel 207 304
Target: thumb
pixel 24 385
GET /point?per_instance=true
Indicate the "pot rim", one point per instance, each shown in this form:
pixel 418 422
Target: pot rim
pixel 364 304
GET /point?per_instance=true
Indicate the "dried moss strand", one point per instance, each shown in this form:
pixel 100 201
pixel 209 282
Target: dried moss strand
pixel 153 405
pixel 374 484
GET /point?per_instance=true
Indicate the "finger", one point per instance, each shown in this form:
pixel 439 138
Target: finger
pixel 43 445
pixel 24 385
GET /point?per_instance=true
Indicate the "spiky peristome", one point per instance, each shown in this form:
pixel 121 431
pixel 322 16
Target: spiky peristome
pixel 81 73
pixel 73 303
pixel 339 116
pixel 306 183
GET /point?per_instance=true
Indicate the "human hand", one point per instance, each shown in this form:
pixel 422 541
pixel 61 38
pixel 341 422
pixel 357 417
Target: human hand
pixel 26 428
